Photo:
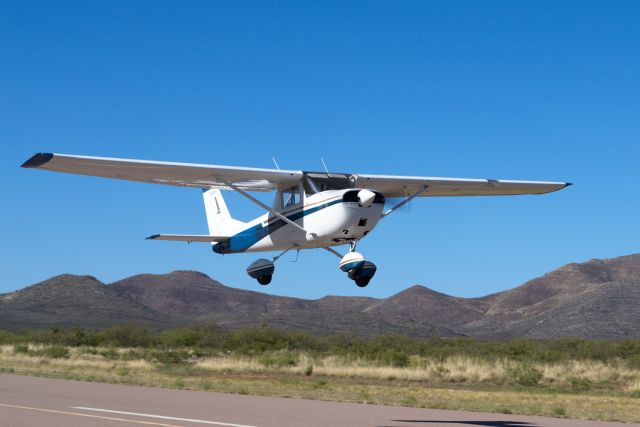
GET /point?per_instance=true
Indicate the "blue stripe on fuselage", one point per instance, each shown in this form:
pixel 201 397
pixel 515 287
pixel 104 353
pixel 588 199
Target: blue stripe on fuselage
pixel 252 235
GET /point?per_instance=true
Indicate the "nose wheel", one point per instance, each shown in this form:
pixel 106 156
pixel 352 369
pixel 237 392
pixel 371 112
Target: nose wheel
pixel 265 279
pixel 363 275
pixel 357 267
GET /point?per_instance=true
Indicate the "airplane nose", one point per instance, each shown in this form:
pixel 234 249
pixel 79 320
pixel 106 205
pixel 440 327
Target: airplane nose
pixel 365 198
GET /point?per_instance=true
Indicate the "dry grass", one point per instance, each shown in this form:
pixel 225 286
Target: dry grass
pixel 593 390
pixel 455 370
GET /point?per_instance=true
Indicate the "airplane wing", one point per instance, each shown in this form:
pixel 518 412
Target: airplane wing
pixel 168 173
pixel 188 237
pixel 254 179
pixel 402 186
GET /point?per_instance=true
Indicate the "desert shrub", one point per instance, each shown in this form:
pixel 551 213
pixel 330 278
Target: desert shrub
pixel 81 337
pixel 388 350
pixel 278 360
pixel 628 349
pixel 7 337
pixel 524 375
pixel 128 336
pixel 183 337
pixel 169 357
pixel 21 348
pixel 256 340
pixel 397 359
pixel 520 349
pixel 559 410
pixel 53 352
pixel 633 362
pixel 109 354
pixel 578 384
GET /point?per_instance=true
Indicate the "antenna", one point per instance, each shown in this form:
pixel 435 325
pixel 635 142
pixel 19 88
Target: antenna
pixel 325 167
pixel 275 163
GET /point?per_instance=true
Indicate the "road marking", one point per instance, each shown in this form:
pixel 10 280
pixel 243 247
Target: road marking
pixel 88 415
pixel 162 417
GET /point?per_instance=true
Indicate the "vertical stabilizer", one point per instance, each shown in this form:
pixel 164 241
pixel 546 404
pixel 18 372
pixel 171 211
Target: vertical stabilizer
pixel 218 216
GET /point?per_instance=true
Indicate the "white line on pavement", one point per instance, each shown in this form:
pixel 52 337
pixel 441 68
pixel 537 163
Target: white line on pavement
pixel 30 408
pixel 161 417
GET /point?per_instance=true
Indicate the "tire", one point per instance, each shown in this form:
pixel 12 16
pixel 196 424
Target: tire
pixel 265 280
pixel 362 281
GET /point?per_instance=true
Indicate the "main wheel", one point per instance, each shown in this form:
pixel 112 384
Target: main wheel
pixel 265 280
pixel 362 281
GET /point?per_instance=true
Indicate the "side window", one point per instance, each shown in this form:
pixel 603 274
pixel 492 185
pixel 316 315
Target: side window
pixel 290 197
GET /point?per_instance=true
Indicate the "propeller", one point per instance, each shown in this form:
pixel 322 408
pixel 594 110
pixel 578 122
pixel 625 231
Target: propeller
pixel 393 201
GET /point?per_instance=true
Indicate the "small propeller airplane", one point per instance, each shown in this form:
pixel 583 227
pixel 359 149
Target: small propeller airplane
pixel 311 210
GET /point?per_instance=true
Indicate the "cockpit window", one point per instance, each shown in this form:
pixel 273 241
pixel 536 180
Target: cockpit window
pixel 290 197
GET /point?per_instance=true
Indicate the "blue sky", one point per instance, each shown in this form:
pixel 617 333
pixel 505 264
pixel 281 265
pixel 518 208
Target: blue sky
pixel 511 90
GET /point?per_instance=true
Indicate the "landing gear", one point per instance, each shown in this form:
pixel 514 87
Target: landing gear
pixel 262 269
pixel 265 280
pixel 362 281
pixel 363 275
pixel 357 268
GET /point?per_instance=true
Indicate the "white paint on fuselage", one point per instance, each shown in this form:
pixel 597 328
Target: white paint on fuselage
pixel 331 219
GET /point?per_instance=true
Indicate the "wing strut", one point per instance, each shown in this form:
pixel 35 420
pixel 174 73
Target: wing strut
pixel 309 236
pixel 333 251
pixel 405 201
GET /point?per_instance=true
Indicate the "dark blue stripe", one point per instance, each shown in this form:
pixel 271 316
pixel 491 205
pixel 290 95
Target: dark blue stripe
pixel 249 237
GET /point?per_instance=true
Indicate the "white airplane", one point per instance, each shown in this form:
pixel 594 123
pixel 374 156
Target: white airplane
pixel 311 209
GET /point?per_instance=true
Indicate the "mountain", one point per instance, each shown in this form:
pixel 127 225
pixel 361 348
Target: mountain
pixel 191 297
pixel 68 300
pixel 546 306
pixel 596 299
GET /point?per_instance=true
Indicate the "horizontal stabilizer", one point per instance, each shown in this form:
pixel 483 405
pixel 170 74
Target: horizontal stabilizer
pixel 188 237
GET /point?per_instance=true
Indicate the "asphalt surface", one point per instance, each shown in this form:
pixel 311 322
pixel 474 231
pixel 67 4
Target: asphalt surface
pixel 31 401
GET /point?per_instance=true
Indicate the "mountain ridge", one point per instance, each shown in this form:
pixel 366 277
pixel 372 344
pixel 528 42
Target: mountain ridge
pixel 595 299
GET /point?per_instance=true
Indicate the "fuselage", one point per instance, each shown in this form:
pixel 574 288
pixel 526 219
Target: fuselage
pixel 331 218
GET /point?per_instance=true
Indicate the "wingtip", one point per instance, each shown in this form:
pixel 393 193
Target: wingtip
pixel 568 184
pixel 152 237
pixel 37 160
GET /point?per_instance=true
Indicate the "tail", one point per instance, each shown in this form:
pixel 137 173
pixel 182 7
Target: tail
pixel 218 217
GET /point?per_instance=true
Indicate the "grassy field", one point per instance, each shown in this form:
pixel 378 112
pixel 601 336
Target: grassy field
pixel 531 378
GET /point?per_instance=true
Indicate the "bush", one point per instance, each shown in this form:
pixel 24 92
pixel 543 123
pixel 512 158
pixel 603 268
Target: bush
pixel 128 336
pixel 21 348
pixel 110 354
pixel 6 337
pixel 397 359
pixel 633 362
pixel 54 352
pixel 524 375
pixel 279 360
pixel 387 350
pixel 169 357
pixel 82 337
pixel 579 383
pixel 559 410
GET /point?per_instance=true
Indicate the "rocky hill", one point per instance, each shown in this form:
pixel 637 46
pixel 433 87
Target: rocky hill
pixel 595 299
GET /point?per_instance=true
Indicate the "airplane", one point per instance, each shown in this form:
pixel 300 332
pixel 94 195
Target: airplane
pixel 311 210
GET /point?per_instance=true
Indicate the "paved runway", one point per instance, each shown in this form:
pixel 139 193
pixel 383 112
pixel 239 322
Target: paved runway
pixel 30 401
